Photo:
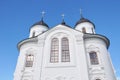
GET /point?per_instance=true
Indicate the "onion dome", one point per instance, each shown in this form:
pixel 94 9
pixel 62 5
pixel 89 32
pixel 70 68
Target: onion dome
pixel 82 20
pixel 85 26
pixel 41 23
pixel 38 28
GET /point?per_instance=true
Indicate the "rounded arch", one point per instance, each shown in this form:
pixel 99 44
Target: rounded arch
pixel 54 52
pixel 98 78
pixel 84 30
pixel 54 32
pixel 59 34
pixel 65 53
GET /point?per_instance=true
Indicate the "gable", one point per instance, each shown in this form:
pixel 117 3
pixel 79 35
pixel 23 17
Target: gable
pixel 61 30
pixel 59 33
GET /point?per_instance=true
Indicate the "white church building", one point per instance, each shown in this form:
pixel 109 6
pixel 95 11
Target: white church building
pixel 64 53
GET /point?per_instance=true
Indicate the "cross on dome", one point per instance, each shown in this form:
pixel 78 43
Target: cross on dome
pixel 63 16
pixel 43 14
pixel 81 13
pixel 63 22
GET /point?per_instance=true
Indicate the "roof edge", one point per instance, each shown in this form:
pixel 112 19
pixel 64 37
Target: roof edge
pixel 40 23
pixel 106 40
pixel 26 41
pixel 82 20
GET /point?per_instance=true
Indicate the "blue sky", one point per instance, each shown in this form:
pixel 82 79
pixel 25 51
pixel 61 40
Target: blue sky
pixel 17 16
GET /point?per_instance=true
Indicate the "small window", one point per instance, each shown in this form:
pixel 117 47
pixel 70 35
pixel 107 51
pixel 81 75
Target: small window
pixel 29 60
pixel 92 30
pixel 33 34
pixel 65 50
pixel 83 30
pixel 54 55
pixel 93 58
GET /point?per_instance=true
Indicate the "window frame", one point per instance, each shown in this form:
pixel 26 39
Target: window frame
pixel 54 52
pixel 29 60
pixel 93 58
pixel 84 30
pixel 65 53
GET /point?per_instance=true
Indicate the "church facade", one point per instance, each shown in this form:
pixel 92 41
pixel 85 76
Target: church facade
pixel 64 53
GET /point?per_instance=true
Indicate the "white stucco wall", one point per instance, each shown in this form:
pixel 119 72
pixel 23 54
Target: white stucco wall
pixel 88 26
pixel 73 70
pixel 79 67
pixel 104 70
pixel 37 29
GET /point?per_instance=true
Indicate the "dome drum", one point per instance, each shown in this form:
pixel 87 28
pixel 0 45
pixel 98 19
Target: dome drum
pixel 38 28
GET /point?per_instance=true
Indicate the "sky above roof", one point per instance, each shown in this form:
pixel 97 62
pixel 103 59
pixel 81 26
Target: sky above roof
pixel 17 17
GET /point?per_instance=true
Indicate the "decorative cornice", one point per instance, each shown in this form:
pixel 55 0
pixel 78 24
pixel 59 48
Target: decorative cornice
pixel 26 41
pixel 105 39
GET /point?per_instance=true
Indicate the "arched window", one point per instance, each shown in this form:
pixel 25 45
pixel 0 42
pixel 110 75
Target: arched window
pixel 29 60
pixel 93 58
pixel 65 55
pixel 83 30
pixel 54 55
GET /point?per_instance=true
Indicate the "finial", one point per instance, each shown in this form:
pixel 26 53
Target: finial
pixel 63 22
pixel 63 17
pixel 43 14
pixel 81 13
